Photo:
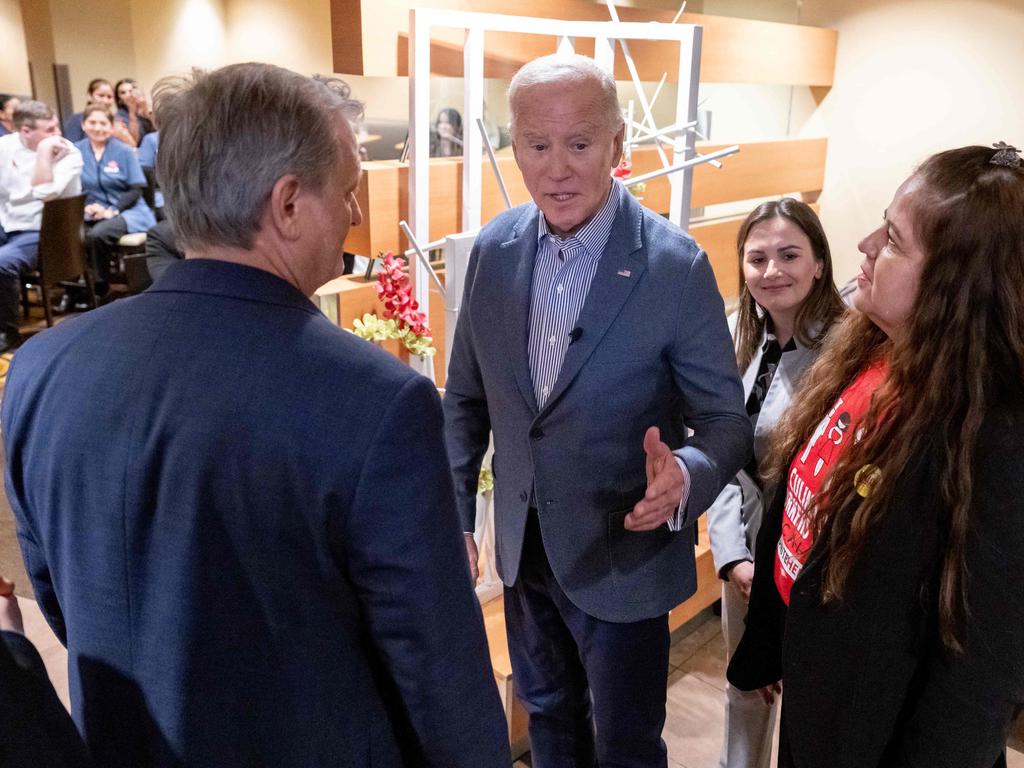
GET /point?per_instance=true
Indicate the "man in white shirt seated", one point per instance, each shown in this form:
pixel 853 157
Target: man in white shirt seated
pixel 36 164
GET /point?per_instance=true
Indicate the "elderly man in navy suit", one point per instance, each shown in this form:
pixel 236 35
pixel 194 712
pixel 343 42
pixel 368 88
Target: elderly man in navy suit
pixel 591 339
pixel 237 516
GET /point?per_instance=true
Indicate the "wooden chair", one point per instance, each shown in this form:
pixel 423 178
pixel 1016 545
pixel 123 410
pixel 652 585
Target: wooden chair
pixel 61 253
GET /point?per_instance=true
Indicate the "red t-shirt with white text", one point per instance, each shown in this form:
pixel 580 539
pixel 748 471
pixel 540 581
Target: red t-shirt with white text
pixel 809 469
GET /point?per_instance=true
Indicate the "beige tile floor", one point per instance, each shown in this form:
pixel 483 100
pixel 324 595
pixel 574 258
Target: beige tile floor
pixel 696 687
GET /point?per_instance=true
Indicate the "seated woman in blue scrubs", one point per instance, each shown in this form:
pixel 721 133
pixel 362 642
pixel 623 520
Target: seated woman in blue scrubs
pixel 113 181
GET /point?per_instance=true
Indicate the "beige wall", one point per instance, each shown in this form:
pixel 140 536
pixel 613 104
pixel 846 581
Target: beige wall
pixel 93 37
pixel 912 78
pixel 171 36
pixel 14 76
pixel 291 33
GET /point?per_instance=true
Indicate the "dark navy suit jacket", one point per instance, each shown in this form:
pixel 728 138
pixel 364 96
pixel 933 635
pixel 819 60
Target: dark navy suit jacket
pixel 239 519
pixel 655 350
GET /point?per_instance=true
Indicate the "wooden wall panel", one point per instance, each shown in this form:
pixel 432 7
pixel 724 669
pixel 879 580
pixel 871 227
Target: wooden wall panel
pixel 718 239
pixel 760 169
pixel 370 37
pixel 380 190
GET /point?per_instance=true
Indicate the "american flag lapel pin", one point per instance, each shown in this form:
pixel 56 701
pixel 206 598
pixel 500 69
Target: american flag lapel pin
pixel 623 273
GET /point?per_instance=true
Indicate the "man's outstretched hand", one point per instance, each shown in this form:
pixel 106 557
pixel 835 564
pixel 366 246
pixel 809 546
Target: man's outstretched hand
pixel 664 486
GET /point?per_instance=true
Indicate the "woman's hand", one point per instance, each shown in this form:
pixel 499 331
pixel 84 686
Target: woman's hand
pixel 137 103
pixel 48 152
pixel 10 613
pixel 769 692
pixel 97 212
pixel 121 133
pixel 741 577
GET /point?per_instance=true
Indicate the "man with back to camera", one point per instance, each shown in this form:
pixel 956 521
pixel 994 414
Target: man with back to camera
pixel 36 165
pixel 237 516
pixel 590 337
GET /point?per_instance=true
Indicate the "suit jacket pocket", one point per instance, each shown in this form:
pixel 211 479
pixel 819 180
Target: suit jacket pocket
pixel 633 553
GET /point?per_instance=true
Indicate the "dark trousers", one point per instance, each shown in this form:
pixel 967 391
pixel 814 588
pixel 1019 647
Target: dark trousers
pixel 594 690
pixel 19 253
pixel 100 239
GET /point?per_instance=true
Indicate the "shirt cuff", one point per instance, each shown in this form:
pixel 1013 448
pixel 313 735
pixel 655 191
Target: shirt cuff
pixel 675 523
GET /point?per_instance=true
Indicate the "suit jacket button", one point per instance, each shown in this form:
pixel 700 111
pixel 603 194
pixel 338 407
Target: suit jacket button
pixel 524 496
pixel 536 433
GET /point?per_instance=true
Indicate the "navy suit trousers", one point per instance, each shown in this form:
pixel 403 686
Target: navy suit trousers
pixel 18 253
pixel 594 690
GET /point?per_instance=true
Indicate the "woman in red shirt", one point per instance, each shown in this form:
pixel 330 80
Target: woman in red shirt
pixel 887 592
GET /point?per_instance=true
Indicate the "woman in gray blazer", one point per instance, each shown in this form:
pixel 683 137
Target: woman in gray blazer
pixel 788 301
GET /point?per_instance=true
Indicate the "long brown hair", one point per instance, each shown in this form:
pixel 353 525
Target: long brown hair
pixel 820 309
pixel 960 353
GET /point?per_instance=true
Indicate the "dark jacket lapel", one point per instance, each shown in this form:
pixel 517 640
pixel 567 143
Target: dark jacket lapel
pixel 519 255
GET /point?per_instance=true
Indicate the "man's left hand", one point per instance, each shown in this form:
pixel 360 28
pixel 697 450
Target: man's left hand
pixel 56 147
pixel 664 486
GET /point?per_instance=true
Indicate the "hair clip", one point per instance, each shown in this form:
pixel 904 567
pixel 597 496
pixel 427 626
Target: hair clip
pixel 1006 156
pixel 866 479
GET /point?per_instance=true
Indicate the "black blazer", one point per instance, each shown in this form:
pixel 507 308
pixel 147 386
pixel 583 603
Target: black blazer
pixel 866 681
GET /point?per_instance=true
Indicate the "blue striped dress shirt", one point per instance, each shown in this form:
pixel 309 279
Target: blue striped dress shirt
pixel 562 274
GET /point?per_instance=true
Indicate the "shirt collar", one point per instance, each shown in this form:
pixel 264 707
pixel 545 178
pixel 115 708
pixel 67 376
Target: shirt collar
pixel 594 235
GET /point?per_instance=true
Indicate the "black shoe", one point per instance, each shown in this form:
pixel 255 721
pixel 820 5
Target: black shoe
pixel 9 340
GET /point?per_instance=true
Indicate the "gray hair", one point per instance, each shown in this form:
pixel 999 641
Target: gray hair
pixel 227 136
pixel 29 112
pixel 569 69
